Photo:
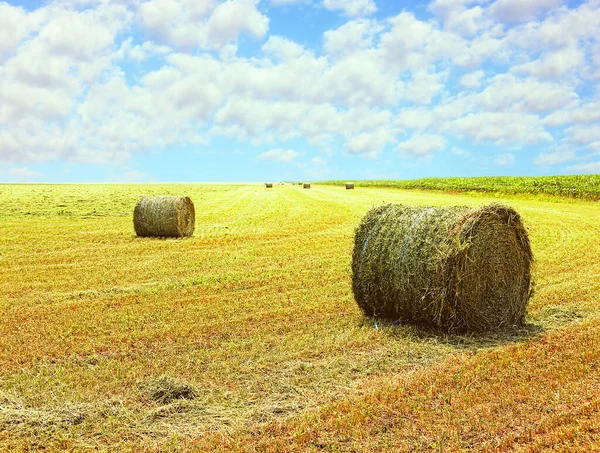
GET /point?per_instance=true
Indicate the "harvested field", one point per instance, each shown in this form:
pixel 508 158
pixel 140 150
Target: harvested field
pixel 246 336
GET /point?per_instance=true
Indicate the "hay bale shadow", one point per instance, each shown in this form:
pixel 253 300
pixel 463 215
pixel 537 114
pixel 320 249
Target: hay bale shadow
pixel 458 340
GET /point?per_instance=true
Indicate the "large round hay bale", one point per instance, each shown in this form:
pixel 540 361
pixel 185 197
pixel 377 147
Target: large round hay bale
pixel 306 185
pixel 458 268
pixel 269 185
pixel 164 216
pixel 349 185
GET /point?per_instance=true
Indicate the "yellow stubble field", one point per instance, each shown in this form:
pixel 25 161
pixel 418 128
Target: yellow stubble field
pixel 254 317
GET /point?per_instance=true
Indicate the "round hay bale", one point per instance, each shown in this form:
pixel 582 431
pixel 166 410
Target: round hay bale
pixel 306 185
pixel 269 185
pixel 349 185
pixel 457 268
pixel 164 216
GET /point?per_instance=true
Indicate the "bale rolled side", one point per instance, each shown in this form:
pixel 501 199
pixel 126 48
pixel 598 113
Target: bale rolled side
pixel 164 216
pixel 306 185
pixel 458 268
pixel 349 185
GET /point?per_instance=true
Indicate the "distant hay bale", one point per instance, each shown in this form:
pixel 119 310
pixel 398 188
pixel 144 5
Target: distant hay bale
pixel 306 185
pixel 457 268
pixel 164 216
pixel 269 185
pixel 349 185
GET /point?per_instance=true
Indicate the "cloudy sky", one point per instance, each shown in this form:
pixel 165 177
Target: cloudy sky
pixel 254 90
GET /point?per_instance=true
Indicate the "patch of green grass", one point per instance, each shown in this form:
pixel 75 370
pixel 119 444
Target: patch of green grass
pixel 577 186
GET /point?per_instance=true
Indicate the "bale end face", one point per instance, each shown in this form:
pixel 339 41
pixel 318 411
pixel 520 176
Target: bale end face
pixel 164 216
pixel 493 280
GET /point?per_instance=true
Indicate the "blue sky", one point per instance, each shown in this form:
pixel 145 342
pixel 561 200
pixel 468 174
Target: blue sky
pixel 255 90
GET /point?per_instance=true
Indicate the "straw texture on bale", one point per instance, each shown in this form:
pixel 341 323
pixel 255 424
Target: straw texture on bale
pixel 457 268
pixel 164 216
pixel 306 185
pixel 349 185
pixel 269 185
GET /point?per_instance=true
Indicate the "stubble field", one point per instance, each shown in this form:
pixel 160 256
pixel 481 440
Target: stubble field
pixel 246 337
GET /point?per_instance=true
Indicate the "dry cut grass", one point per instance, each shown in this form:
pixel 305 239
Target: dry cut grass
pixel 246 337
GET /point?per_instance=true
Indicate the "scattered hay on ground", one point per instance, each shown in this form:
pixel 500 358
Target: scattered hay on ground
pixel 165 390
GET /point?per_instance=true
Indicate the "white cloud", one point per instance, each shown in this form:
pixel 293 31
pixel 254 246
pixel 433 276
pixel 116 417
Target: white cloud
pixel 422 145
pixel 489 45
pixel 81 36
pixel 419 118
pixel 64 96
pixel 282 49
pixel 369 143
pixel 583 114
pixel 15 26
pixel 353 36
pixel 281 155
pixel 411 44
pixel 351 7
pixel 318 167
pixel 555 158
pixel 360 80
pixel 583 135
pixel 554 64
pixel 233 17
pixel 423 87
pixel 562 28
pixel 254 118
pixel 141 52
pixel 521 11
pixel 472 79
pixel 457 17
pixel 205 24
pixel 460 152
pixel 591 167
pixel 24 173
pixel 504 159
pixel 500 128
pixel 507 92
pixel 288 2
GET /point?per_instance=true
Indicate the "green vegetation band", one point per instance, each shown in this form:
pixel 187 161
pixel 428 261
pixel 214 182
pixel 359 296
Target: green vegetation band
pixel 164 216
pixel 458 268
